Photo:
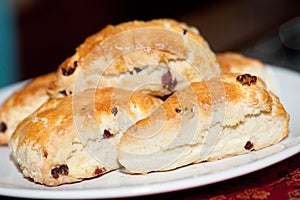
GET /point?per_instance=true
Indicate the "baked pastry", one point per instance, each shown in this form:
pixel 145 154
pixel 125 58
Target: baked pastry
pixel 145 96
pixel 234 62
pixel 22 103
pixel 30 97
pixel 207 121
pixel 157 56
pixel 73 138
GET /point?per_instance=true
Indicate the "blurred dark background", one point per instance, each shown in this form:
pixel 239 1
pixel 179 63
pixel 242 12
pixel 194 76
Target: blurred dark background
pixel 48 31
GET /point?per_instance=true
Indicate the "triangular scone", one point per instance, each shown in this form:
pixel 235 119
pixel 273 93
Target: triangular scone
pixel 22 103
pixel 157 56
pixel 73 138
pixel 207 121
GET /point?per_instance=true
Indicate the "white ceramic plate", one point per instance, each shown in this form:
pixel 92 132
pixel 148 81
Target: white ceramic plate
pixel 117 184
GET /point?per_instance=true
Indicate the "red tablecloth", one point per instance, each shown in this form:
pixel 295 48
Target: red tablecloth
pixel 279 182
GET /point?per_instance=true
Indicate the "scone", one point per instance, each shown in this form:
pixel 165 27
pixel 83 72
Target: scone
pixel 234 62
pixel 145 96
pixel 207 121
pixel 73 138
pixel 158 56
pixel 22 103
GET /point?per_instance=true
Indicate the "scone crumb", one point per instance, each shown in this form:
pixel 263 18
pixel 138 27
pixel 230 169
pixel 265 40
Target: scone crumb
pixel 62 169
pixel 3 127
pixel 246 79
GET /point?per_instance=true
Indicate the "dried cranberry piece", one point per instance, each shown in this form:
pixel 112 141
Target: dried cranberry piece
pixel 98 171
pixel 62 169
pixel 55 173
pixel 168 81
pixel 3 127
pixel 106 134
pixel 246 79
pixel 248 145
pixel 177 110
pixel 114 111
pixel 137 70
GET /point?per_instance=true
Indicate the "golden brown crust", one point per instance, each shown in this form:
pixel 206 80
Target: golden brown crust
pixel 107 56
pixel 110 30
pixel 234 62
pixel 22 103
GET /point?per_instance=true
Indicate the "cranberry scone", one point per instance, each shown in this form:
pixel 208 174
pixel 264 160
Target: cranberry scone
pixel 209 120
pixel 22 103
pixel 158 56
pixel 72 138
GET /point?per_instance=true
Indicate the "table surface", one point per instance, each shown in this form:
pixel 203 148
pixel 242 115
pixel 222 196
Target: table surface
pixel 278 181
